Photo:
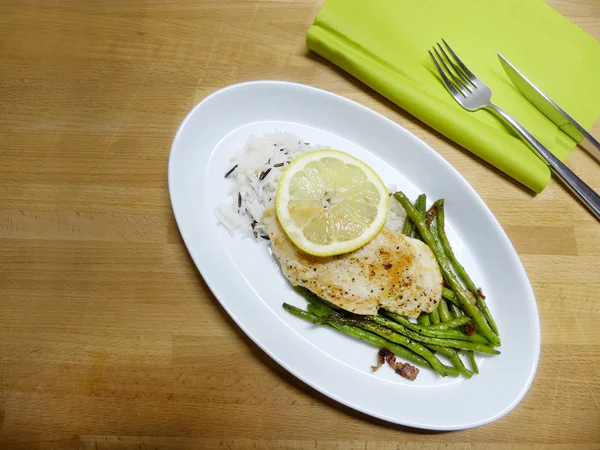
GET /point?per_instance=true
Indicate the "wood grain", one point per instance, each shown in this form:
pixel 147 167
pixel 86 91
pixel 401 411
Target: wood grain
pixel 110 339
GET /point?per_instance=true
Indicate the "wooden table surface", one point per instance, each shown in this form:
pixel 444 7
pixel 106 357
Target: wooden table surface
pixel 110 338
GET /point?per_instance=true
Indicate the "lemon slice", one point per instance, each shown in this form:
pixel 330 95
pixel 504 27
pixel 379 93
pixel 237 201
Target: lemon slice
pixel 330 203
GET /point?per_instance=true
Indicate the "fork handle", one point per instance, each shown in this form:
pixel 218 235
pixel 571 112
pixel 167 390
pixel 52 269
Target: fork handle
pixel 585 193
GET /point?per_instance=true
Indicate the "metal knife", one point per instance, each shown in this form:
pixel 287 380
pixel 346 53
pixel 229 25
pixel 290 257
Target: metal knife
pixel 551 110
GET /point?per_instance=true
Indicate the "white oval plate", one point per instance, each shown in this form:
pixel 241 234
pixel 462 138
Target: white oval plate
pixel 245 279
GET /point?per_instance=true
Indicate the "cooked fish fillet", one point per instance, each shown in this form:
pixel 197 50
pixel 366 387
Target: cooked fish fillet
pixel 392 271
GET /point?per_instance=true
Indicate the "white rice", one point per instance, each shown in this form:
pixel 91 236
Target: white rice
pixel 249 196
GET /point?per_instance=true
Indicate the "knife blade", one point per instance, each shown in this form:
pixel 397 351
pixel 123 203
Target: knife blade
pixel 550 109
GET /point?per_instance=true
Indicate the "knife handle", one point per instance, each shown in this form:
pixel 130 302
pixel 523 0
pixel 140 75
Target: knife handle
pixel 585 193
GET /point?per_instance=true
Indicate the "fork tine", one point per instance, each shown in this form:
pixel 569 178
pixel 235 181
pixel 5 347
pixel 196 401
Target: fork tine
pixel 457 83
pixel 461 78
pixel 472 78
pixel 460 84
pixel 446 80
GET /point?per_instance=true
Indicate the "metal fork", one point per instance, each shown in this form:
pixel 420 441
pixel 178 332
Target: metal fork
pixel 472 94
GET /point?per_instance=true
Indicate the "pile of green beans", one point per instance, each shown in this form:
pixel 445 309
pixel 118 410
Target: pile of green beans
pixel 461 325
pixel 435 237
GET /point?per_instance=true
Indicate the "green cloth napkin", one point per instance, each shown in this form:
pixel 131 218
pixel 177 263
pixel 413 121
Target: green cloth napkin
pixel 384 44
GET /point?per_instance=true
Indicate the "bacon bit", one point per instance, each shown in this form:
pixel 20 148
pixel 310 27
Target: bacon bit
pixel 403 369
pixel 469 329
pixel 384 354
pixel 480 292
pixel 407 371
pixel 388 356
pixel 380 362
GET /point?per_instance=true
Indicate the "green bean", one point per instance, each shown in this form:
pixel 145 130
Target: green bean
pixel 454 343
pixel 448 293
pixel 470 309
pixel 430 331
pixel 456 311
pixel 430 214
pixel 359 333
pixel 408 227
pixel 450 296
pixel 420 206
pixel 451 371
pixel 321 305
pixel 319 308
pixel 434 316
pixel 445 291
pixel 423 319
pixel 319 311
pixel 306 315
pixel 462 273
pixel 307 294
pixel 471 356
pixel 437 241
pixel 444 311
pixel 453 323
pixel 454 359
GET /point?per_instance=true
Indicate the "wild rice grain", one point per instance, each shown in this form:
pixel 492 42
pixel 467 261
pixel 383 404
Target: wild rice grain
pixel 231 171
pixel 264 174
pixel 239 199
